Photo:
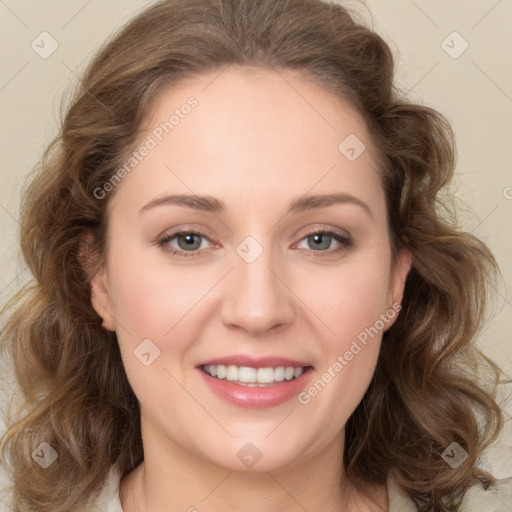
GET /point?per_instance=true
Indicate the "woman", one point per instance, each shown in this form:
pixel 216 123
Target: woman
pixel 245 295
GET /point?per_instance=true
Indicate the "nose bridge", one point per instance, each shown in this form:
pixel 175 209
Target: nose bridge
pixel 256 299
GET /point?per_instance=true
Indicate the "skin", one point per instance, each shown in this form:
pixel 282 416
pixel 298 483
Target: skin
pixel 256 140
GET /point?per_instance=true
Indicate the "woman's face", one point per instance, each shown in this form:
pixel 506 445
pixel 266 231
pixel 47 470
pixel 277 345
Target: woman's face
pixel 249 236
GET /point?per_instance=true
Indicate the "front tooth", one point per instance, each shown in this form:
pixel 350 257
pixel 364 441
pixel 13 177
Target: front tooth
pixel 265 375
pixel 288 373
pixel 221 371
pixel 232 373
pixel 246 374
pixel 279 373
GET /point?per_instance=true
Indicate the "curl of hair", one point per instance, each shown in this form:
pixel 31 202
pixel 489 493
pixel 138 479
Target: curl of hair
pixel 424 394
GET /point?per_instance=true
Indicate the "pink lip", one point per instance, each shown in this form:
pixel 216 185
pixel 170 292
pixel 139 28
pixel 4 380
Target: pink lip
pixel 257 397
pixel 254 397
pixel 254 362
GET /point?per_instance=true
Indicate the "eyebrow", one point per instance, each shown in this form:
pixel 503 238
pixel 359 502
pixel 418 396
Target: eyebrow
pixel 214 205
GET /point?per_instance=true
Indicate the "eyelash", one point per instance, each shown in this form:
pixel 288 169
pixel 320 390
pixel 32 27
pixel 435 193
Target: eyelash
pixel 346 242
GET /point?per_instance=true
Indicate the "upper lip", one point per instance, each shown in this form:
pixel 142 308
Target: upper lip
pixel 254 362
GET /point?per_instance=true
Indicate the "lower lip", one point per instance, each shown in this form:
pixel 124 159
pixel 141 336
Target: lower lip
pixel 256 397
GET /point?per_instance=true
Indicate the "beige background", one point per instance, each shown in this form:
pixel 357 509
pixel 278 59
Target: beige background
pixel 472 88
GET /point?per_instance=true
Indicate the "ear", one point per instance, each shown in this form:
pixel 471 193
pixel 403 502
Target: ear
pixel 98 280
pixel 399 273
pixel 100 299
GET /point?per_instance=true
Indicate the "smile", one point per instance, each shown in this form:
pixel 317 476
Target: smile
pixel 255 387
pixel 253 377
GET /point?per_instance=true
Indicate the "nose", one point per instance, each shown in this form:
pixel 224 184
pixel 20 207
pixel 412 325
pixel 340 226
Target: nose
pixel 257 297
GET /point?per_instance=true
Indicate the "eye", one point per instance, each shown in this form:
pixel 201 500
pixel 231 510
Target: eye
pixel 321 241
pixel 188 243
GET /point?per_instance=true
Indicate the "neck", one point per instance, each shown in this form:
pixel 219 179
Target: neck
pixel 176 480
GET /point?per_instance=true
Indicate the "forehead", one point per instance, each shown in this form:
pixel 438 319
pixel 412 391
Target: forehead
pixel 249 134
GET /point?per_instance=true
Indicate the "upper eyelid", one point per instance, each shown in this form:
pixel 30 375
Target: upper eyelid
pixel 306 232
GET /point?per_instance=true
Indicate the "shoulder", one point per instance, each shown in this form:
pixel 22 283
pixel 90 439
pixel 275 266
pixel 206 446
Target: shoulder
pixel 496 498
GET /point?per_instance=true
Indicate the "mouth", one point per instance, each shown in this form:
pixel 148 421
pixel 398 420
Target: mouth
pixel 254 377
pixel 255 382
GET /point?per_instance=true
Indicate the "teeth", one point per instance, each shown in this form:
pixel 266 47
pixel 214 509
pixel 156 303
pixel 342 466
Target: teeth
pixel 231 373
pixel 246 375
pixel 289 373
pixel 279 373
pixel 264 376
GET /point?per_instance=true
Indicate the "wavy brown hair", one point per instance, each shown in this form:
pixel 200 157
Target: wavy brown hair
pixel 425 393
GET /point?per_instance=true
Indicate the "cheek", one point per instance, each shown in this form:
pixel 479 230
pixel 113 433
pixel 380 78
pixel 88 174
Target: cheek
pixel 154 308
pixel 350 298
pixel 352 309
pixel 153 303
pixel 353 303
pixel 151 298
